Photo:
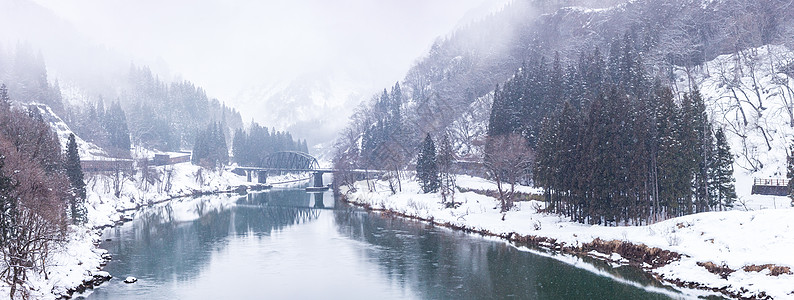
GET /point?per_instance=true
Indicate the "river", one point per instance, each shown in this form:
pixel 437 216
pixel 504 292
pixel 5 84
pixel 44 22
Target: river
pixel 289 244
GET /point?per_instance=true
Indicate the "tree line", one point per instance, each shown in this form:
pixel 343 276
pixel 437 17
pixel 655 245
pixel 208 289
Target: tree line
pixel 168 116
pixel 106 128
pixel 209 149
pixel 252 147
pixel 612 145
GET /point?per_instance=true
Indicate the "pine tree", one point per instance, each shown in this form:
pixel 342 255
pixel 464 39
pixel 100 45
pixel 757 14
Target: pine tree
pixel 239 147
pixel 701 148
pixel 426 168
pixel 75 173
pixel 116 126
pixel 209 149
pixel 723 182
pixel 221 150
pixel 5 100
pixel 200 149
pixel 8 205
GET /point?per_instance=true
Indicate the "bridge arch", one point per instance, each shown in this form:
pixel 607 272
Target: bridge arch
pixel 291 160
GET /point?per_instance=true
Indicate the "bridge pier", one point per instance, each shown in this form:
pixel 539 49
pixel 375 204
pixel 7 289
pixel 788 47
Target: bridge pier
pixel 318 179
pixel 248 175
pixel 261 176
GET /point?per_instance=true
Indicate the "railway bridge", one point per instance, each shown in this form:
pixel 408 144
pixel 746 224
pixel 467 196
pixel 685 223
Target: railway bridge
pixel 294 162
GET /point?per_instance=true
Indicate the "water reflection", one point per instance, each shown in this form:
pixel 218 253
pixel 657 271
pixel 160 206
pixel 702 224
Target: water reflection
pixel 443 264
pixel 270 244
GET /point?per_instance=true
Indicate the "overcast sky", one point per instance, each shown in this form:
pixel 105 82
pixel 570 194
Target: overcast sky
pixel 230 46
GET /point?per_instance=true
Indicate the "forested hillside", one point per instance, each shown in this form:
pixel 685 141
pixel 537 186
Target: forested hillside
pixel 601 77
pixel 668 35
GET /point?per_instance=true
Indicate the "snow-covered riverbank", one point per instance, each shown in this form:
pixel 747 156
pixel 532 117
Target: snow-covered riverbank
pixel 739 253
pixel 77 262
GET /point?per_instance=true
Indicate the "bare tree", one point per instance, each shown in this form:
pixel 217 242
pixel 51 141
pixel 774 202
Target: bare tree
pixel 40 190
pixel 118 178
pixel 394 155
pixel 508 158
pixel 346 158
pixel 445 160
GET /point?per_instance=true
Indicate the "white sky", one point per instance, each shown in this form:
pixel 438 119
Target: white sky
pixel 230 46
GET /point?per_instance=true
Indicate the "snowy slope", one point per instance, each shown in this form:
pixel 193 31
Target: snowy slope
pixel 87 150
pixel 755 85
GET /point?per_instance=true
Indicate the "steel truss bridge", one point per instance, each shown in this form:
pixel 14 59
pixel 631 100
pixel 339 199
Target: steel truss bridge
pixel 293 162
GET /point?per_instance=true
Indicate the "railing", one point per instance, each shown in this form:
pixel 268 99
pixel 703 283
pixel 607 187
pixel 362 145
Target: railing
pixel 770 181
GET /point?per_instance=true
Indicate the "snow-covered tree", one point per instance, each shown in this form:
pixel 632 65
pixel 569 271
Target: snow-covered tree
pixel 722 172
pixel 426 167
pixel 75 173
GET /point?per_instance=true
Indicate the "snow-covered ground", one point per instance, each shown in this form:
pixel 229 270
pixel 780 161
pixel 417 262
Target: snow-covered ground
pixel 105 207
pixel 736 239
pixel 750 95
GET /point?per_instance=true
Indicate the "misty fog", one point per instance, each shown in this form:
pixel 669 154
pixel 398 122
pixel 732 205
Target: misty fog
pixel 312 55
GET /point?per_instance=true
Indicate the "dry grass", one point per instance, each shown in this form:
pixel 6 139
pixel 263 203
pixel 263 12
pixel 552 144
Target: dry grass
pixel 635 253
pixel 713 268
pixel 774 270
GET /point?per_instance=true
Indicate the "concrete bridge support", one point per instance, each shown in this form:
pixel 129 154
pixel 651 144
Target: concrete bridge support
pixel 318 179
pixel 261 177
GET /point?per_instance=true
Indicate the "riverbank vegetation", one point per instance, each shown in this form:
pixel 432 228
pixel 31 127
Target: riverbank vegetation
pixel 41 193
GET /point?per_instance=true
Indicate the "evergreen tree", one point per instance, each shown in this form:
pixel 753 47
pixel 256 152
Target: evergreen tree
pixel 498 121
pixel 75 173
pixel 699 144
pixel 8 205
pixel 239 147
pixel 673 176
pixel 116 126
pixel 723 182
pixel 426 168
pixel 209 149
pixel 221 150
pixel 201 149
pixel 5 100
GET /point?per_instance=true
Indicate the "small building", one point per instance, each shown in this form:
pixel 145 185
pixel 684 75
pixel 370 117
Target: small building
pixel 163 159
pixel 107 165
pixel 770 186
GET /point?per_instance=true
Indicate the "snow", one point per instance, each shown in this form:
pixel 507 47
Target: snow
pixel 733 238
pixel 71 264
pixel 759 231
pixel 87 150
pixel 754 78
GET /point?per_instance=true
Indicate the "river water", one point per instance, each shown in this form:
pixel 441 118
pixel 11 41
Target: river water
pixel 289 244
